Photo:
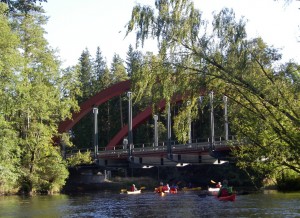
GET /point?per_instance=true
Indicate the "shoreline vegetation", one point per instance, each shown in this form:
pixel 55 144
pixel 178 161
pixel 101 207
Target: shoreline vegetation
pixel 85 179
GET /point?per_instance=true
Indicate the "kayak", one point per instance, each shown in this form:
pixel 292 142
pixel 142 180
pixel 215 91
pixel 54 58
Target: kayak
pixel 134 192
pixel 213 191
pixel 191 189
pixel 161 193
pixel 227 198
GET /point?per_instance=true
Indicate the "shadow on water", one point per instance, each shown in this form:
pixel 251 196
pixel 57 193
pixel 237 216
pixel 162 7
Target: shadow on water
pixel 149 204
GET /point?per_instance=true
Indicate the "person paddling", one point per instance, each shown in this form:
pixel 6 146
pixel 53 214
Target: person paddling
pixel 133 188
pixel 224 190
pixel 160 189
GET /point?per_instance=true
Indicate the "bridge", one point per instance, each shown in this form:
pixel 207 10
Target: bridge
pixel 122 152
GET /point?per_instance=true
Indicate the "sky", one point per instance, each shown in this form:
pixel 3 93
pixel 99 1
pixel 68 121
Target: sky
pixel 75 25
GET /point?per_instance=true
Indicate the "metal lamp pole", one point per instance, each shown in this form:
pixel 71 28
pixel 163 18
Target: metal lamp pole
pixel 169 147
pixel 190 124
pixel 212 122
pixel 130 143
pixel 155 130
pixel 95 111
pixel 225 99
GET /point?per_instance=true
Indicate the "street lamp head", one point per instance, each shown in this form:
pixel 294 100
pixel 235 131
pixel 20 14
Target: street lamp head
pixel 95 110
pixel 129 94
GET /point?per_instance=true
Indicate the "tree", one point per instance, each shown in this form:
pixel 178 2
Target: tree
pixel 83 130
pixel 117 69
pixel 85 75
pixel 39 107
pixel 9 63
pixel 133 60
pixel 99 71
pixel 23 5
pixel 264 106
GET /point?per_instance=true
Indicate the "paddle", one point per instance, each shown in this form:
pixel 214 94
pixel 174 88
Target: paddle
pixel 212 181
pixel 123 190
pixel 143 187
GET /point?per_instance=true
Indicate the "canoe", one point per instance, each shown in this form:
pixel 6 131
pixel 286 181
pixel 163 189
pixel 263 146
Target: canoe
pixel 227 198
pixel 134 192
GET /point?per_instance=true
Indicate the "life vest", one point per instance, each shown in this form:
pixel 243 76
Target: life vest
pixel 224 192
pixel 160 189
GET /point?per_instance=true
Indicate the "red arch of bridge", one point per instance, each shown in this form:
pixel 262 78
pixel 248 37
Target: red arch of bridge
pixel 101 98
pixel 96 100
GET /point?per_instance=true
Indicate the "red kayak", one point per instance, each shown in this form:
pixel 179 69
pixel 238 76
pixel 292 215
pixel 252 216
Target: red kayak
pixel 227 198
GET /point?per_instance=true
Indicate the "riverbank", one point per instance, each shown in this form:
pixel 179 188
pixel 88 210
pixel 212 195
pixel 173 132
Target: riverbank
pixel 204 176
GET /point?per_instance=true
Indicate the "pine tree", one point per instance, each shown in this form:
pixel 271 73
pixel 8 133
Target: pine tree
pixel 133 60
pixel 85 75
pixel 118 70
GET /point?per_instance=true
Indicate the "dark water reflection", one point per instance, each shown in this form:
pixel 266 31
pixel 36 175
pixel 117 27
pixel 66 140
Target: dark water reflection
pixel 148 204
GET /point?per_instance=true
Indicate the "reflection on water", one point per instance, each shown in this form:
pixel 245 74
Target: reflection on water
pixel 148 204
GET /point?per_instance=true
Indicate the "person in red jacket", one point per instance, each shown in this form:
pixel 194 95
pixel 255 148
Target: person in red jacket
pixel 133 188
pixel 224 190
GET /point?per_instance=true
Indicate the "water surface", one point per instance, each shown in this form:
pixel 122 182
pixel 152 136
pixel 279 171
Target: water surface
pixel 148 204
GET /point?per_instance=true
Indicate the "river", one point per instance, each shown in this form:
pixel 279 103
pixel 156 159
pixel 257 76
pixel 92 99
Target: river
pixel 183 204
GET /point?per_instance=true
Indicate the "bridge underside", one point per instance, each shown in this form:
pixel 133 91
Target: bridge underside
pixel 176 160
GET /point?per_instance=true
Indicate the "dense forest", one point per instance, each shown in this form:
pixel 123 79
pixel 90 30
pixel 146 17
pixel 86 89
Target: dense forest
pixel 37 93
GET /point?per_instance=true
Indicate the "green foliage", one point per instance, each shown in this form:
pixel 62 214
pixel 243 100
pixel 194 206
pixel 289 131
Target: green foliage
pixel 288 180
pixel 79 159
pixel 9 62
pixel 23 6
pixel 118 70
pixel 85 75
pixel 133 61
pixel 9 157
pixel 49 173
pixel 263 99
pixel 35 97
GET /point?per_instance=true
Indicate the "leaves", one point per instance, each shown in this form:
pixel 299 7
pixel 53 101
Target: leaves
pixel 34 99
pixel 264 99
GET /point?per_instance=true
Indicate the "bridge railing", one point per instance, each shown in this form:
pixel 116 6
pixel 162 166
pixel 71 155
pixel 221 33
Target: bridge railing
pixel 196 144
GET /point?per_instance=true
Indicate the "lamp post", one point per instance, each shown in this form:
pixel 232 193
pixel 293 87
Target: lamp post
pixel 212 122
pixel 169 148
pixel 200 103
pixel 155 117
pixel 190 124
pixel 130 143
pixel 225 99
pixel 95 111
